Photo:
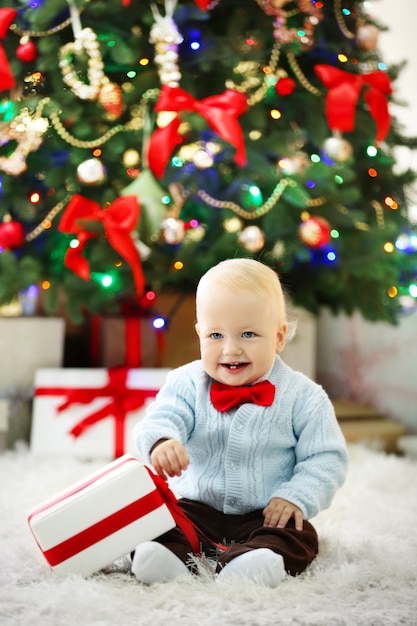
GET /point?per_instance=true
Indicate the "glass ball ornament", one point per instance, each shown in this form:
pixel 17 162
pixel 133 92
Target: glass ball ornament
pixel 252 238
pixel 295 164
pixel 278 251
pixel 91 172
pixel 315 232
pixel 196 233
pixel 233 225
pixel 202 159
pixel 172 231
pixel 131 158
pixel 338 149
pixel 367 36
pixel 12 235
pixel 26 50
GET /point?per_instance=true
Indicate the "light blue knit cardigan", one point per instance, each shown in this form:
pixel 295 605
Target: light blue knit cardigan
pixel 239 460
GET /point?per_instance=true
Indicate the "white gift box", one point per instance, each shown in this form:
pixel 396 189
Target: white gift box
pixel 101 518
pixel 90 413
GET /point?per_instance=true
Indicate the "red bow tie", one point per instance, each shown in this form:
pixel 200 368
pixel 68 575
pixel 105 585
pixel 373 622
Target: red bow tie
pixel 225 397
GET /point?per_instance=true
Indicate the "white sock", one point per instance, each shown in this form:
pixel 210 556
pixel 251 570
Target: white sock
pixel 262 566
pixel 153 562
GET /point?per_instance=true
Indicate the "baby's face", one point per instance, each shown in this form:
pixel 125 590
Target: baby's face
pixel 239 335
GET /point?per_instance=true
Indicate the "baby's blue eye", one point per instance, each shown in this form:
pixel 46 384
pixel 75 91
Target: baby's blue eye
pixel 216 335
pixel 248 334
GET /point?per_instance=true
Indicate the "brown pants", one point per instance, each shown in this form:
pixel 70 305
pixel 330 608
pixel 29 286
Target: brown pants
pixel 242 533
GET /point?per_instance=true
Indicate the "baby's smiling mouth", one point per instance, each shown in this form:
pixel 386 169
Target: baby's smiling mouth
pixel 233 366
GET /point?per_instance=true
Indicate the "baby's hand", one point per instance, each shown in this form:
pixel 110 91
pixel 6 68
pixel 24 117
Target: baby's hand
pixel 169 458
pixel 279 511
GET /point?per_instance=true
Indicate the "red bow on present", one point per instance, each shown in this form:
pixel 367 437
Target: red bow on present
pixel 344 91
pixel 221 113
pixel 122 400
pixel 225 397
pixel 7 80
pixel 118 220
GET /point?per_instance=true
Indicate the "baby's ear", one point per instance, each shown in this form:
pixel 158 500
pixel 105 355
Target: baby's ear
pixel 281 335
pixel 197 329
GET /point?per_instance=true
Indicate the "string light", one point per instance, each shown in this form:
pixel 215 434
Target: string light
pixel 390 202
pixel 158 323
pixel 275 114
pixel 371 151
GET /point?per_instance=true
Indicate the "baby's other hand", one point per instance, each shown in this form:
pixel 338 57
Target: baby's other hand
pixel 279 511
pixel 169 458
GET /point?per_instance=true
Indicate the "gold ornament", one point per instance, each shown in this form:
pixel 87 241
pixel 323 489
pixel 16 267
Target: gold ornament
pixel 27 129
pixel 166 38
pixel 233 225
pixel 131 158
pixel 85 44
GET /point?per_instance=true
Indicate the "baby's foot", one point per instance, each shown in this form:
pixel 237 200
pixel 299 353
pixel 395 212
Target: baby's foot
pixel 154 563
pixel 262 566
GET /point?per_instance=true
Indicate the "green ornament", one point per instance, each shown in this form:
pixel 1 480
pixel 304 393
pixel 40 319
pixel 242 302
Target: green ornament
pixel 153 211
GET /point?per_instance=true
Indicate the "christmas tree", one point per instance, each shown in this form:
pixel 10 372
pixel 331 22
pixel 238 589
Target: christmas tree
pixel 142 142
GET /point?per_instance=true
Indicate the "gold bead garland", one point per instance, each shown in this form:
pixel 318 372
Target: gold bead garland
pixel 253 81
pixel 265 208
pixel 78 143
pixel 249 215
pixel 46 223
pixel 41 33
pixel 132 125
pixel 341 20
pixel 304 82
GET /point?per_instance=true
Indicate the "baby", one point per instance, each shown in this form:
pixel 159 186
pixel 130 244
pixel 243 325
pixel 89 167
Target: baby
pixel 251 447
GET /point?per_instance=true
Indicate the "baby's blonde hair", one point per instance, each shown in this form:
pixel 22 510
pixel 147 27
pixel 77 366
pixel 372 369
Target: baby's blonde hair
pixel 249 276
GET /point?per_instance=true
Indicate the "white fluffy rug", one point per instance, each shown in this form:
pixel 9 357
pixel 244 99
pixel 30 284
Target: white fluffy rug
pixel 366 573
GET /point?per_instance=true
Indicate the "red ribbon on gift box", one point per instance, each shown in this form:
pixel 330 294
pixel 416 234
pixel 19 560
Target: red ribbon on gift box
pixel 132 343
pixel 122 400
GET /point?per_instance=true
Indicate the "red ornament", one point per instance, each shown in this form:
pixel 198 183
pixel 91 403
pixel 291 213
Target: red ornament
pixel 315 232
pixel 12 235
pixel 26 51
pixel 285 86
pixel 111 99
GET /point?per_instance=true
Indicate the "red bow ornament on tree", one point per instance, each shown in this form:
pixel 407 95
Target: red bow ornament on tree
pixel 118 221
pixel 344 91
pixel 220 112
pixel 202 4
pixel 7 80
